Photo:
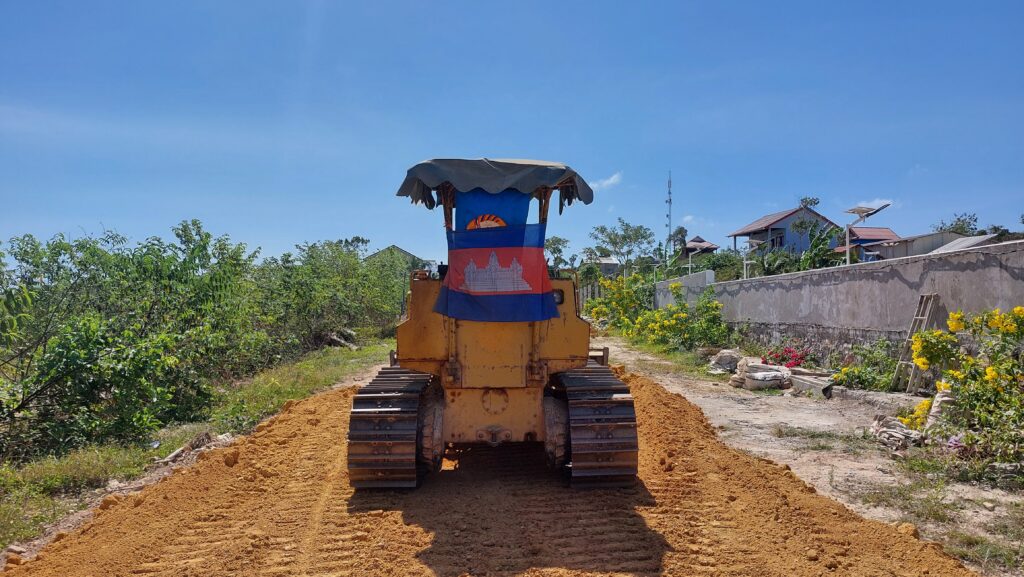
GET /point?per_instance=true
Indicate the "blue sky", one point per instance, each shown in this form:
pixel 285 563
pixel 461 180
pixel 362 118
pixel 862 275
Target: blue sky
pixel 283 122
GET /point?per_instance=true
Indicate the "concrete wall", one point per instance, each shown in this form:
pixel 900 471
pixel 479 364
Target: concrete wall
pixel 693 285
pixel 833 308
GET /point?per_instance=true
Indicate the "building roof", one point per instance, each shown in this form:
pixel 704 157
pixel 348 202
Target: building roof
pixel 904 239
pixel 876 233
pixel 393 247
pixel 605 260
pixel 698 243
pixel 767 221
pixel 842 248
pixel 964 243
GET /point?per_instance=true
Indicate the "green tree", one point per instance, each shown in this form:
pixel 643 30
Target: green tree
pixel 678 238
pixel 809 201
pixel 555 247
pixel 624 241
pixel 820 253
pixel 778 261
pixel 592 253
pixel 104 340
pixel 727 264
pixel 962 223
pixel 589 273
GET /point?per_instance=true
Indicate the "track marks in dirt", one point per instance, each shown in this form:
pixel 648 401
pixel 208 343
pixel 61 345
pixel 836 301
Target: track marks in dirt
pixel 285 509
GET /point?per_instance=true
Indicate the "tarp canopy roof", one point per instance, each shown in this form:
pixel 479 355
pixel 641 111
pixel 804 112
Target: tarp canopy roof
pixel 494 176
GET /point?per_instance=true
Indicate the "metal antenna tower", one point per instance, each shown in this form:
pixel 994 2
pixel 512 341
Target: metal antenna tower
pixel 668 240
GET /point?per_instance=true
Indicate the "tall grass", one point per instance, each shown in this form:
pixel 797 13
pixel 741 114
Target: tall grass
pixel 240 408
pixel 42 491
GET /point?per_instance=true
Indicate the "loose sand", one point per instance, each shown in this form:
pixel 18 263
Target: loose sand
pixel 278 503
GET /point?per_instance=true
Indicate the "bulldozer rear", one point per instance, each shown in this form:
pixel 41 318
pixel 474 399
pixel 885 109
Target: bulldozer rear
pixel 458 382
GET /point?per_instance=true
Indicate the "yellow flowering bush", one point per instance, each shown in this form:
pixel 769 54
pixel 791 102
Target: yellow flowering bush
pixel 674 326
pixel 623 300
pixel 931 346
pixel 955 322
pixel 987 420
pixel 682 326
pixel 917 419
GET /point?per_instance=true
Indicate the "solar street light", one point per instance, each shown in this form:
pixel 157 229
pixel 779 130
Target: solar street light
pixel 862 212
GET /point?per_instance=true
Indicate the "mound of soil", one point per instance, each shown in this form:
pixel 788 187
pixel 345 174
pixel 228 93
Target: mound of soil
pixel 278 503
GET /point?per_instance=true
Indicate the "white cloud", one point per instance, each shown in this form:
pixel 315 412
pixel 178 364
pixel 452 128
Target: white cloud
pixel 693 223
pixel 917 170
pixel 611 208
pixel 167 134
pixel 606 183
pixel 877 202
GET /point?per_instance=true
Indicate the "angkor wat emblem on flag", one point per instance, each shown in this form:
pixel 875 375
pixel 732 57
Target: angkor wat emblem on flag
pixel 494 278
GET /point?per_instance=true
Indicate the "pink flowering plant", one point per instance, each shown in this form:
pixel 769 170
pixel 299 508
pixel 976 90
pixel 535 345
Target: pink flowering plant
pixel 786 356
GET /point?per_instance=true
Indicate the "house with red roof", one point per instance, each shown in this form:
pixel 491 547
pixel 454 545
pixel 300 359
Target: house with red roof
pixel 864 235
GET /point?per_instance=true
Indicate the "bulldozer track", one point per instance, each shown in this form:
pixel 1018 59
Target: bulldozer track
pixel 603 444
pixel 383 433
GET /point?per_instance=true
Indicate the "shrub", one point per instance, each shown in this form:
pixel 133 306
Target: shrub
pixel 622 303
pixel 104 341
pixel 916 419
pixel 679 326
pixel 242 407
pixel 787 356
pixel 872 369
pixel 987 420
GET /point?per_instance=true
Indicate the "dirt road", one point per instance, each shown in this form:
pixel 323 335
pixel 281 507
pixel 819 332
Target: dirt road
pixel 278 503
pixel 748 421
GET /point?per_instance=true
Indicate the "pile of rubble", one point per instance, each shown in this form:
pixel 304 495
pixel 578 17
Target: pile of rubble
pixel 892 433
pixel 201 443
pixel 752 374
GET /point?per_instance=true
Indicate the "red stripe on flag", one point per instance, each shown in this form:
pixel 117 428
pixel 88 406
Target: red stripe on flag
pixel 498 271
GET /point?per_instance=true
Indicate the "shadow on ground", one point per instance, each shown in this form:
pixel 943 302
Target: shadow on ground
pixel 500 511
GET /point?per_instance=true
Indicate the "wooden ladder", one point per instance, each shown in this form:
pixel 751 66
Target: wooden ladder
pixel 905 367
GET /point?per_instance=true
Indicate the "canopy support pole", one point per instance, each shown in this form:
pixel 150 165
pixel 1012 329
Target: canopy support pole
pixel 446 194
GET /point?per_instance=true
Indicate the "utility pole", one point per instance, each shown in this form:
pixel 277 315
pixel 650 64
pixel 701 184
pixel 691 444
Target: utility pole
pixel 669 248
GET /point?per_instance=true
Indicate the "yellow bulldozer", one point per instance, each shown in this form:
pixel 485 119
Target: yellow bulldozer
pixel 491 349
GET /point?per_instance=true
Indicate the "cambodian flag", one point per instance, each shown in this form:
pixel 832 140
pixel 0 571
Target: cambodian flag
pixel 497 274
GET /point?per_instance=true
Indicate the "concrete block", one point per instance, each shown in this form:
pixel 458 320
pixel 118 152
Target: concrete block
pixel 812 386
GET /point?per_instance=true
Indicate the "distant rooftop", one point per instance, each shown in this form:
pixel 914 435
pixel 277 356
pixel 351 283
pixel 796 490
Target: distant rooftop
pixel 765 222
pixel 394 247
pixel 698 243
pixel 877 233
pixel 905 239
pixel 964 243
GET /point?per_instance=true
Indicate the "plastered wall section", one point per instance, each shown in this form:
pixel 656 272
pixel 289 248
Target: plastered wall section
pixel 872 299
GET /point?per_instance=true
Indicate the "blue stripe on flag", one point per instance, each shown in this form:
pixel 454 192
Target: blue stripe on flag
pixel 511 205
pixel 498 308
pixel 522 235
